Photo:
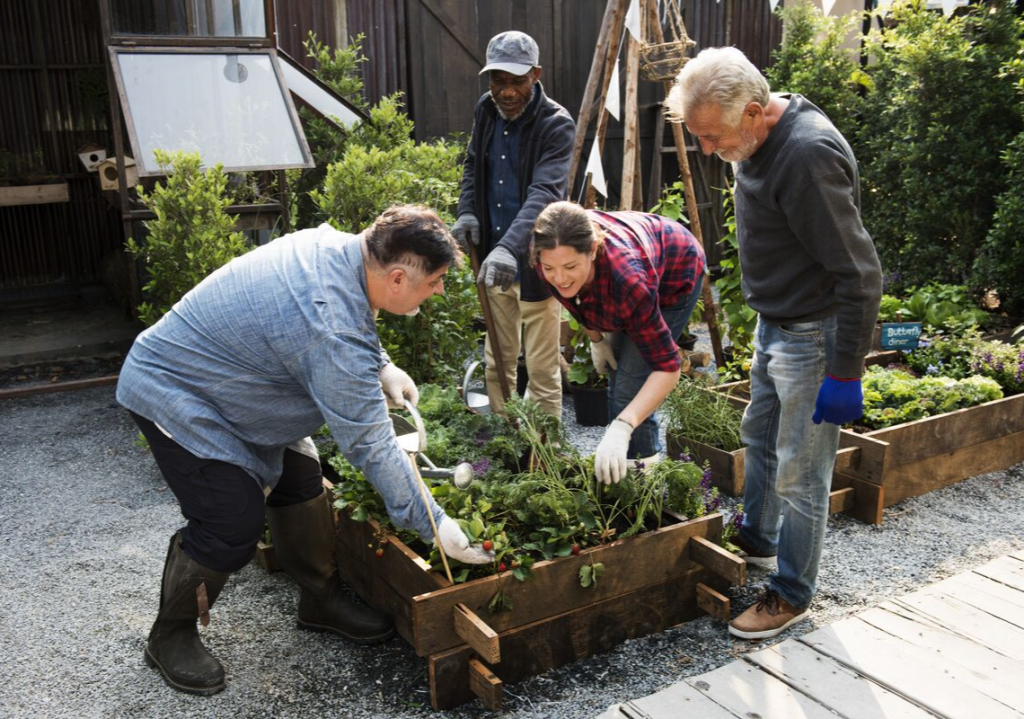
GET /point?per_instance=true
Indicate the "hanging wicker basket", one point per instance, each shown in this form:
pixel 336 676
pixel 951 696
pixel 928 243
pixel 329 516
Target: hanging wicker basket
pixel 664 60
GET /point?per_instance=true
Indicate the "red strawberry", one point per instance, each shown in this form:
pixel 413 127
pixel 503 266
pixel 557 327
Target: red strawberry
pixel 380 551
pixel 488 545
pixel 575 549
pixel 502 567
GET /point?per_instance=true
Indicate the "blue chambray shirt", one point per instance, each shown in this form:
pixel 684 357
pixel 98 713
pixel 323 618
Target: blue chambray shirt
pixel 262 352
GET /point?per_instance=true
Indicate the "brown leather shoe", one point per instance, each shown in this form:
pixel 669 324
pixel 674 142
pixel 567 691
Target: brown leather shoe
pixel 771 615
pixel 752 556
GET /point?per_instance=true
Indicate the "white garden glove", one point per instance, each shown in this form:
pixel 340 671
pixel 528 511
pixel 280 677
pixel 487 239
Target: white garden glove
pixel 610 459
pixel 398 386
pixel 499 268
pixel 603 355
pixel 456 544
pixel 466 232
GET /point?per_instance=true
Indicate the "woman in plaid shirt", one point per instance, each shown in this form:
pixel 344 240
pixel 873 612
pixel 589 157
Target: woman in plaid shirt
pixel 632 280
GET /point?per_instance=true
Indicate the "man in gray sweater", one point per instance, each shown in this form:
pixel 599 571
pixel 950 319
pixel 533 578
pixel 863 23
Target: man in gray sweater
pixel 811 272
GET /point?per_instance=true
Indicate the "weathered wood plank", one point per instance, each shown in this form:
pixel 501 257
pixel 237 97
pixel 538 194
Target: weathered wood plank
pixel 33 194
pixel 894 664
pixel 873 459
pixel 485 685
pixel 1006 570
pixel 745 690
pixel 555 641
pixel 477 634
pixel 718 560
pixel 831 683
pixel 1013 597
pixel 956 589
pixel 652 558
pixel 678 700
pixel 965 660
pixel 967 621
pixel 727 468
pixel 950 467
pixel 869 498
pixel 712 602
pixel 842 500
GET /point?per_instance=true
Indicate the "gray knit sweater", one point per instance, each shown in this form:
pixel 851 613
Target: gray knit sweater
pixel 804 253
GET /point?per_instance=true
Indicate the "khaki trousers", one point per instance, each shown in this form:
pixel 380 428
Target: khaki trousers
pixel 538 324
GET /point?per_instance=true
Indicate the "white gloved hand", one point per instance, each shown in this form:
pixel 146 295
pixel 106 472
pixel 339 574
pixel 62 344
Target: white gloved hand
pixel 398 386
pixel 603 355
pixel 456 544
pixel 610 459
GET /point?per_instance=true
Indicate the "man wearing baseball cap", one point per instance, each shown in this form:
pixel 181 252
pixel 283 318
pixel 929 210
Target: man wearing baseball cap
pixel 517 164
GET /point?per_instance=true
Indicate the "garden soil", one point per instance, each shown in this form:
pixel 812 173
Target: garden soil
pixel 84 523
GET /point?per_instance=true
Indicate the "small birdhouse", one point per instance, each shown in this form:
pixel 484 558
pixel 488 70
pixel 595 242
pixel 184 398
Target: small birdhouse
pixel 107 170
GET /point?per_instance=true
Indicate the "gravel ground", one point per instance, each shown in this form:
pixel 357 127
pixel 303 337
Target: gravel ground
pixel 85 519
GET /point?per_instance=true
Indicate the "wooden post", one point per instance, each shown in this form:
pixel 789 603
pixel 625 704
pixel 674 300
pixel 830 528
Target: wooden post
pixel 612 22
pixel 710 313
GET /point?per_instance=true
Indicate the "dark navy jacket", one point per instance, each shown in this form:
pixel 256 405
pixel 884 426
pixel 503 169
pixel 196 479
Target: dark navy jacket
pixel 545 154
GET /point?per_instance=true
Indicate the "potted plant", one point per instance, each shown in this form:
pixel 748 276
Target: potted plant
pixel 588 386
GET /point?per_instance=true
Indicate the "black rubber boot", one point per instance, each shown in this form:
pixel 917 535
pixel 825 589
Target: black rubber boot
pixel 174 647
pixel 303 536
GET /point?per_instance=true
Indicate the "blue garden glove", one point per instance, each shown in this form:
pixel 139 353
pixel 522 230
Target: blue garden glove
pixel 466 232
pixel 839 401
pixel 499 268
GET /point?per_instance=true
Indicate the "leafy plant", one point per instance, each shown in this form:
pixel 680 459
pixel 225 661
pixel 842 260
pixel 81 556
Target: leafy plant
pixel 941 308
pixel 739 316
pixel 582 371
pixel 894 396
pixel 695 411
pixel 192 234
pixel 535 497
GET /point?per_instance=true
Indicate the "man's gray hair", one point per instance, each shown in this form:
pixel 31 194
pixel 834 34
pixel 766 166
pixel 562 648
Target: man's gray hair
pixel 720 76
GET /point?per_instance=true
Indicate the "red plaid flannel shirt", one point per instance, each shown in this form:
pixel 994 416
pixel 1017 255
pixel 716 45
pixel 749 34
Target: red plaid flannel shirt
pixel 648 262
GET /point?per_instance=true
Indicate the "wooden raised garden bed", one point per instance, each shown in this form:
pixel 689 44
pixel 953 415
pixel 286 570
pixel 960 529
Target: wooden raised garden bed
pixel 879 468
pixel 651 582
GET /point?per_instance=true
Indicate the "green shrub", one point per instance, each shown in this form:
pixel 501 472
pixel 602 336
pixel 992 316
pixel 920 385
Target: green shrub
pixel 740 318
pixel 999 265
pixel 931 135
pixel 941 308
pixel 697 412
pixel 191 236
pixel 813 62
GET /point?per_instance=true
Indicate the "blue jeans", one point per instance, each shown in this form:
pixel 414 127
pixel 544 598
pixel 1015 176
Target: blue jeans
pixel 633 371
pixel 789 459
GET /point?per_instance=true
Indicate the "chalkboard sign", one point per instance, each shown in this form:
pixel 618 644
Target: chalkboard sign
pixel 900 335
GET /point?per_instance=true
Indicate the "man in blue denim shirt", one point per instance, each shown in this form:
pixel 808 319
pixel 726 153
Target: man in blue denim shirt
pixel 228 386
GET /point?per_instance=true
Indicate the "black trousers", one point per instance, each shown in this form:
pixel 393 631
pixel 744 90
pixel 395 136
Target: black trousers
pixel 222 503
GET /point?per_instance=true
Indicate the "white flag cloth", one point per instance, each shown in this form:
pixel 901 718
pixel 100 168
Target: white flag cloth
pixel 826 6
pixel 596 170
pixel 774 4
pixel 883 7
pixel 612 102
pixel 948 6
pixel 633 19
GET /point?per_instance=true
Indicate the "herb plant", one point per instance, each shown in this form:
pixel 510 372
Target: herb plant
pixel 693 410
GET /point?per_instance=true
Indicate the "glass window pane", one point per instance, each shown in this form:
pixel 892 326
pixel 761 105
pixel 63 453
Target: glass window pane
pixel 227 106
pixel 315 96
pixel 190 18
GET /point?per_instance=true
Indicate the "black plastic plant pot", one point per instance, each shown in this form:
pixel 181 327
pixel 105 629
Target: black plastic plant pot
pixel 591 405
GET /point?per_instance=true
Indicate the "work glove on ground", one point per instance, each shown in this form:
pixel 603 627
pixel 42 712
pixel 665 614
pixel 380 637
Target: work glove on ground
pixel 398 386
pixel 456 544
pixel 610 459
pixel 466 232
pixel 603 356
pixel 499 268
pixel 839 401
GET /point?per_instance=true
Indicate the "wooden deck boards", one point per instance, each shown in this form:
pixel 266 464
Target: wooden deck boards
pixel 954 650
